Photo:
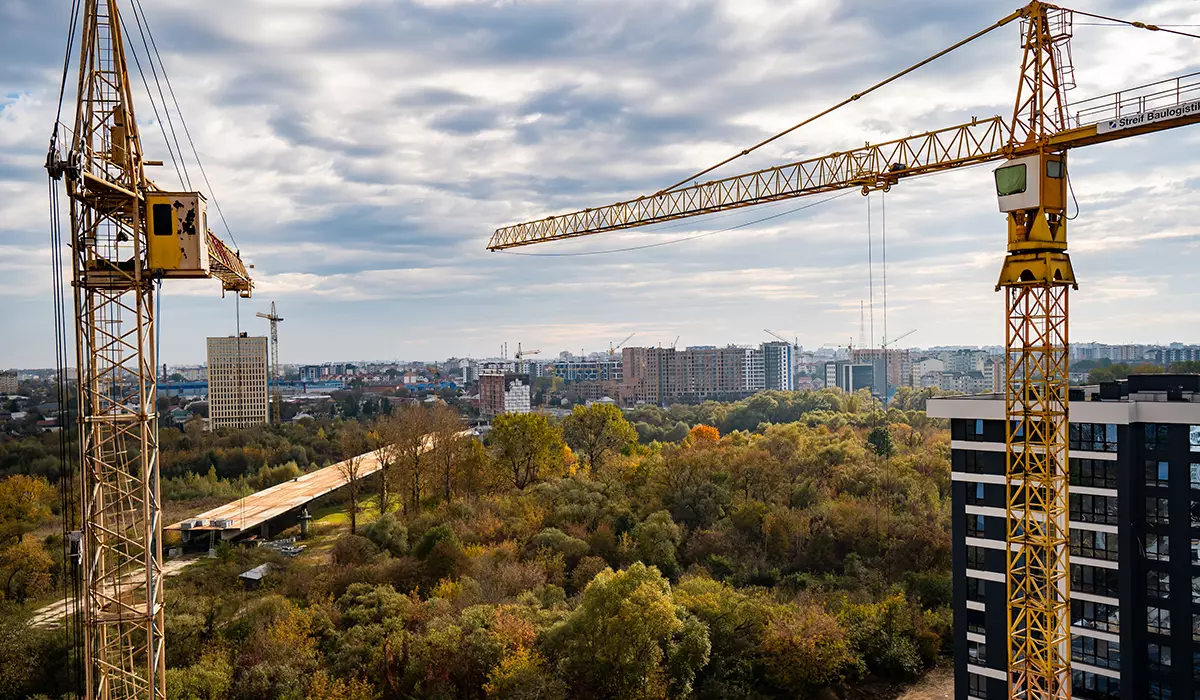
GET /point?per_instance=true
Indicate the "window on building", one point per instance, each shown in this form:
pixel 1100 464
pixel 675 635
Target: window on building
pixel 1195 590
pixel 1097 652
pixel 976 622
pixel 1195 627
pixel 1094 686
pixel 976 589
pixel 1094 580
pixel 1195 551
pixel 1086 508
pixel 1159 690
pixel 975 494
pixel 1156 436
pixel 974 431
pixel 1195 475
pixel 974 525
pixel 1093 472
pixel 1195 513
pixel 1158 547
pixel 1096 616
pixel 1095 545
pixel 1159 656
pixel 1157 473
pixel 1158 511
pixel 1093 437
pixel 1158 584
pixel 1158 620
pixel 974 462
pixel 976 556
pixel 977 653
pixel 977 686
pixel 1194 437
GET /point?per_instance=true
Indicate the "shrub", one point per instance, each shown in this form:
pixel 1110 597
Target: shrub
pixel 353 550
pixel 388 534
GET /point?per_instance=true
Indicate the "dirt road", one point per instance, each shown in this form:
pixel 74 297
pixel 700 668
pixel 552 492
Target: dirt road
pixel 938 685
pixel 52 615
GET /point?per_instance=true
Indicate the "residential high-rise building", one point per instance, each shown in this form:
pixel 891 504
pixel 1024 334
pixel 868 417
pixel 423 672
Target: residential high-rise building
pixel 754 371
pixel 850 376
pixel 8 383
pixel 504 393
pixel 779 366
pixel 1134 512
pixel 237 381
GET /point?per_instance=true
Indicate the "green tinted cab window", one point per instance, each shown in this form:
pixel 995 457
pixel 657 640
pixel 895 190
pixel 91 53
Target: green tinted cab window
pixel 1010 180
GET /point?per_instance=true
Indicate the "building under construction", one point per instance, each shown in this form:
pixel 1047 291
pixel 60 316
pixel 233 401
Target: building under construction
pixel 1134 540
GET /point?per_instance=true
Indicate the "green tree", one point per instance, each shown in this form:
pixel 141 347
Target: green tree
pixel 657 539
pixel 880 440
pixel 597 430
pixel 628 639
pixel 527 446
pixel 209 679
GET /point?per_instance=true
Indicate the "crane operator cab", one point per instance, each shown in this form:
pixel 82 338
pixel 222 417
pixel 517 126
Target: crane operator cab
pixel 177 232
pixel 1032 191
pixel 1033 182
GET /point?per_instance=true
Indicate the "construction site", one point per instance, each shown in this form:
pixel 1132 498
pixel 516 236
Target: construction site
pixel 1069 516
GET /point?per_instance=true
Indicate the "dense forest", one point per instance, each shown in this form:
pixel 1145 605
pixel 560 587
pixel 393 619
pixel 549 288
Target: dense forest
pixel 792 545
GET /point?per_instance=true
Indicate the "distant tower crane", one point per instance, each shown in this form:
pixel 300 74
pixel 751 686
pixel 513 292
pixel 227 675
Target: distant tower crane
pixel 521 353
pixel 276 373
pixel 612 349
pixel 127 235
pixel 1031 186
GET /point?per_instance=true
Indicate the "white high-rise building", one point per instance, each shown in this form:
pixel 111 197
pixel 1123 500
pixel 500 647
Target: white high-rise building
pixel 753 371
pixel 237 382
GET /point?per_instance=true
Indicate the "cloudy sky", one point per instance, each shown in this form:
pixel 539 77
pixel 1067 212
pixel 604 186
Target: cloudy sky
pixel 364 150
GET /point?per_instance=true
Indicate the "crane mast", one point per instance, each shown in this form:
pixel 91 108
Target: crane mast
pixel 276 374
pixel 1036 277
pixel 116 269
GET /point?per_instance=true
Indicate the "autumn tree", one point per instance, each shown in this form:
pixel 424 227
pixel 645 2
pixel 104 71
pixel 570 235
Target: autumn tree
pixel 596 431
pixel 24 506
pixel 526 446
pixel 412 440
pixel 703 435
pixel 382 439
pixel 353 443
pixel 449 445
pixel 804 648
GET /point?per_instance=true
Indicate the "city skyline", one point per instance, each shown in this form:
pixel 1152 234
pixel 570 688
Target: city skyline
pixel 365 203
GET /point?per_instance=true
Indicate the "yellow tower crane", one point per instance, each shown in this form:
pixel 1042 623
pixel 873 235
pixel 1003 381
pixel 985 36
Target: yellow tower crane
pixel 126 235
pixel 1036 275
pixel 277 375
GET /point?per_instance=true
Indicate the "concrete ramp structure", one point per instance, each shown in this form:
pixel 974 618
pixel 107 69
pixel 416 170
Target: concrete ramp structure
pixel 271 510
